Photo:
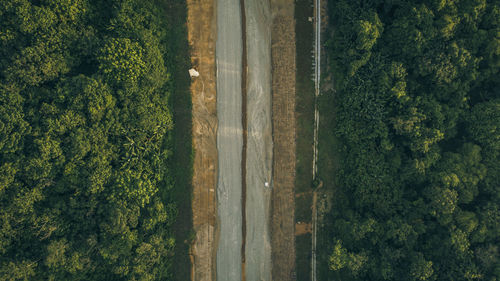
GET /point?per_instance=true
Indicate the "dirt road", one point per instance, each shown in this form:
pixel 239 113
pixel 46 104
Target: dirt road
pixel 229 139
pixel 257 131
pixel 259 140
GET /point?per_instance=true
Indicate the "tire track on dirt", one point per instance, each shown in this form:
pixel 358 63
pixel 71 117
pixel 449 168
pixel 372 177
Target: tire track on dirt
pixel 245 134
pixel 259 140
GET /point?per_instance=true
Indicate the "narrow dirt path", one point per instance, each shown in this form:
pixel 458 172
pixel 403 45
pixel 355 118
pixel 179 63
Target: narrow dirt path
pixel 283 87
pixel 201 35
pixel 229 139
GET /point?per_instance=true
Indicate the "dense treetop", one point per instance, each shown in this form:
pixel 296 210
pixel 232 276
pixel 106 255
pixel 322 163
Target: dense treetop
pixel 84 138
pixel 418 115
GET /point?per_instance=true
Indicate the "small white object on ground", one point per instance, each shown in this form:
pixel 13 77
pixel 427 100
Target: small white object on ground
pixel 266 184
pixel 310 19
pixel 193 73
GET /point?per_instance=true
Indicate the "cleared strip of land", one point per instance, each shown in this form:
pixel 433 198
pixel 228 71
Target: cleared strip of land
pixel 283 87
pixel 229 139
pixel 257 129
pixel 201 36
pixel 259 140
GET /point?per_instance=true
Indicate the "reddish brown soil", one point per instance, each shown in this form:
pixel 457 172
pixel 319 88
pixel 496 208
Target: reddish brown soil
pixel 283 87
pixel 201 35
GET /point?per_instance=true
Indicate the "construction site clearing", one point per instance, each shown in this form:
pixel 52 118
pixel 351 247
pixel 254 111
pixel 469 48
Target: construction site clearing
pixel 243 215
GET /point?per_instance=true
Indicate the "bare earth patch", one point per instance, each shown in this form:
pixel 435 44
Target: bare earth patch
pixel 283 87
pixel 302 228
pixel 201 36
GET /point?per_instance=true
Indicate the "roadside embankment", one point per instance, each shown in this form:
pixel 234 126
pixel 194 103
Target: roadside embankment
pixel 283 104
pixel 201 28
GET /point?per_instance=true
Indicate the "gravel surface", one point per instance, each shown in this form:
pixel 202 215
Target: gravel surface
pixel 259 140
pixel 229 139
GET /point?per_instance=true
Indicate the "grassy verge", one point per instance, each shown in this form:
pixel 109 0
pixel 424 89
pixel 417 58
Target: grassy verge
pixel 304 95
pixel 329 163
pixel 181 162
pixel 305 129
pixel 303 245
pixel 303 211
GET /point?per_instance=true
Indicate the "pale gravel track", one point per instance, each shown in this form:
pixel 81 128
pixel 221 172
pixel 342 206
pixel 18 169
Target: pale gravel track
pixel 259 140
pixel 229 139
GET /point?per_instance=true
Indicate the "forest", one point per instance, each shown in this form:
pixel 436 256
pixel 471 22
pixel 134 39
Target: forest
pixel 86 128
pixel 417 116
